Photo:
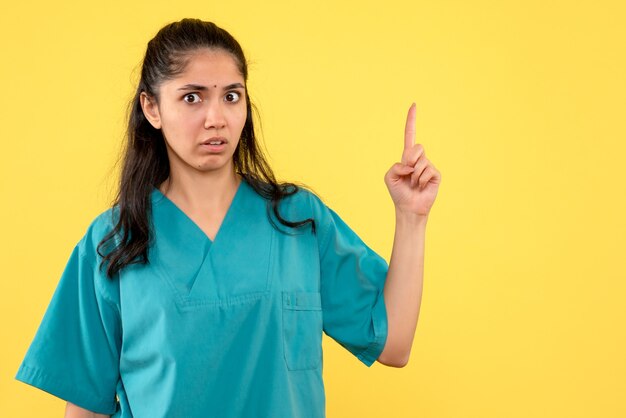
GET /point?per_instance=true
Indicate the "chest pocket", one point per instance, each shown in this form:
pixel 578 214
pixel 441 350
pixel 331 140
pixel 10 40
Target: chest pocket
pixel 302 330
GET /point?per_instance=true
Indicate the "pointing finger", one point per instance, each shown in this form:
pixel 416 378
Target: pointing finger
pixel 412 155
pixel 409 129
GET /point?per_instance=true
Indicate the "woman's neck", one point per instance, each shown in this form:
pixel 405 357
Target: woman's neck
pixel 208 191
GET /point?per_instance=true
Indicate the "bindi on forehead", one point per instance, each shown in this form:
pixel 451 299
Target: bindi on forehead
pixel 200 87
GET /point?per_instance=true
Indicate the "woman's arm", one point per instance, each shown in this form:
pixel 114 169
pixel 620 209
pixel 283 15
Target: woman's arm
pixel 73 411
pixel 413 185
pixel 403 289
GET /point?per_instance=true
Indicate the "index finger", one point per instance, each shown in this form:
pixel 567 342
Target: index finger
pixel 409 129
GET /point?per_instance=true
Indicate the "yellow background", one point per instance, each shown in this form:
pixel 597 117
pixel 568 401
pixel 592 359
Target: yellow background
pixel 520 105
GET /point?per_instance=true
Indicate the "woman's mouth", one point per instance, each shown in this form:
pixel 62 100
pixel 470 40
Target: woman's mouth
pixel 215 144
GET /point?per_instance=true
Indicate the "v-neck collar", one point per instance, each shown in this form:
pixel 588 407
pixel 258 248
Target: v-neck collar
pixel 158 198
pixel 201 272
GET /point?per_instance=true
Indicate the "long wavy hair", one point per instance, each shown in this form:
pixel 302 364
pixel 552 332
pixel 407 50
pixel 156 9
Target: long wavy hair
pixel 145 163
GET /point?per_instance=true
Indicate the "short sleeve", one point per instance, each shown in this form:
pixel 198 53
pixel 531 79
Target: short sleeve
pixel 75 352
pixel 352 281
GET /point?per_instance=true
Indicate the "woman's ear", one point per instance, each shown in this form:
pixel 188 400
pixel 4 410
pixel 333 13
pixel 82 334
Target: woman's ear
pixel 150 110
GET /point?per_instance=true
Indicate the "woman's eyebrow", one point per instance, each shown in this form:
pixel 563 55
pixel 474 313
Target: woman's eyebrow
pixel 204 88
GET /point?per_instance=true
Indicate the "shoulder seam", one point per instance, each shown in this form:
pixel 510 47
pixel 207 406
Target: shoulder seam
pixel 98 287
pixel 326 235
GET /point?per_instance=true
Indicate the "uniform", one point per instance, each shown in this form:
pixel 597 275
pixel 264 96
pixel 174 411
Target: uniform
pixel 225 328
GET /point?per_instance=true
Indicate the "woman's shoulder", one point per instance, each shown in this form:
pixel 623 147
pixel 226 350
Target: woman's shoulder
pixel 304 201
pixel 295 198
pixel 98 229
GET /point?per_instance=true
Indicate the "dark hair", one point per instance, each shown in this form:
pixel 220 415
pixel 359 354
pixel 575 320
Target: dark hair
pixel 145 161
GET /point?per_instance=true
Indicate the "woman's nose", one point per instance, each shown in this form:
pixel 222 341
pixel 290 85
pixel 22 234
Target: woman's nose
pixel 215 116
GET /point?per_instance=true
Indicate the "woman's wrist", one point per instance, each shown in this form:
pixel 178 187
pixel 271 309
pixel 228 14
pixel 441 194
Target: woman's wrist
pixel 411 219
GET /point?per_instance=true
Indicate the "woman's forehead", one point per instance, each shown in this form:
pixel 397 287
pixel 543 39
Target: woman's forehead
pixel 211 61
pixel 210 68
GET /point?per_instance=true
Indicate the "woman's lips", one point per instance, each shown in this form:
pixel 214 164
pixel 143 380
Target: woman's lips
pixel 214 147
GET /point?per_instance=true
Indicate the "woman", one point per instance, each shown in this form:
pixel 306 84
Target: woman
pixel 205 288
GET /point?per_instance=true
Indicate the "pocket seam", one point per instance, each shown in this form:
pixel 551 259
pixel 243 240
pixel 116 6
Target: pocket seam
pixel 302 301
pixel 299 302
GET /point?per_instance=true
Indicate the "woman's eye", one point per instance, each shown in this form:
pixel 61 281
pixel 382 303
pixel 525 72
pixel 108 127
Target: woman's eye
pixel 187 96
pixel 232 97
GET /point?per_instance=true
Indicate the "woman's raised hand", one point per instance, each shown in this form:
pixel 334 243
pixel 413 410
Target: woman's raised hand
pixel 413 183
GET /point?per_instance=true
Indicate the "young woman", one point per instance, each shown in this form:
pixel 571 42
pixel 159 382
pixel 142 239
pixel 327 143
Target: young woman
pixel 204 290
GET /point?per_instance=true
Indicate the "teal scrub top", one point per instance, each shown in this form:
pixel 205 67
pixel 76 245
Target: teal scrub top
pixel 224 328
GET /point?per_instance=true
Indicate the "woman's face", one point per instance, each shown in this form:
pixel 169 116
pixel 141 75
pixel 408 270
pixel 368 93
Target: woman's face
pixel 204 103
